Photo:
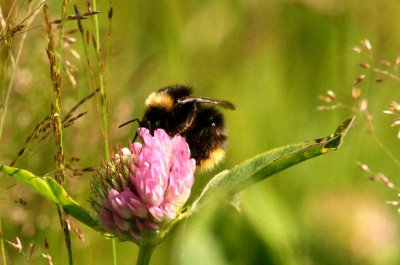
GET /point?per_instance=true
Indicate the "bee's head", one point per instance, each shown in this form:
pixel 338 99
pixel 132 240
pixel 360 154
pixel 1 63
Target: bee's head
pixel 155 118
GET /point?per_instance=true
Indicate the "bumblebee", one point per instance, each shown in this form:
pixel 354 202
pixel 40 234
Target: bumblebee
pixel 173 109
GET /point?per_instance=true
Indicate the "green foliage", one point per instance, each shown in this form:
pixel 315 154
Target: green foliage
pixel 52 191
pixel 257 168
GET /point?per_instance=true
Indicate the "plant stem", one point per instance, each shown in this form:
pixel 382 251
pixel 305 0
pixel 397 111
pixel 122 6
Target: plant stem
pixel 3 250
pixel 103 98
pixel 104 111
pixel 55 57
pixel 114 251
pixel 144 256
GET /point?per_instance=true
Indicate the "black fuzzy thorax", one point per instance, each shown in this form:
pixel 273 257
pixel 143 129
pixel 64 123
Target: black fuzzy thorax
pixel 177 91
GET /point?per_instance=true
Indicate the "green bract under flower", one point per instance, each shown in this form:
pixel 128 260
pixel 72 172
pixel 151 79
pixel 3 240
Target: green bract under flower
pixel 144 187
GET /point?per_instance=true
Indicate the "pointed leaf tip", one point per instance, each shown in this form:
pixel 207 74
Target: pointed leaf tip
pixel 335 140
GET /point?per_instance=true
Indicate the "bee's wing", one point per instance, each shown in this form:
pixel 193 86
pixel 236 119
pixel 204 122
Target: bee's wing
pixel 222 103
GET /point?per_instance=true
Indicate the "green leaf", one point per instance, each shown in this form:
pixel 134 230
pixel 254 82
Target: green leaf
pixel 229 182
pixel 27 178
pixel 54 192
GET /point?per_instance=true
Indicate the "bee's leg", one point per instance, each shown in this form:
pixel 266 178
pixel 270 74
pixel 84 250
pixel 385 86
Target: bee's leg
pixel 134 138
pixel 190 119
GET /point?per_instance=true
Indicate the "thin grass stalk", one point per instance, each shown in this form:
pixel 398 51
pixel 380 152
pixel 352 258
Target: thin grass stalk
pixel 7 44
pixel 14 65
pixel 103 97
pixel 3 250
pixel 64 10
pixel 104 110
pixel 3 36
pixel 110 15
pixel 86 51
pixel 55 74
pixel 379 142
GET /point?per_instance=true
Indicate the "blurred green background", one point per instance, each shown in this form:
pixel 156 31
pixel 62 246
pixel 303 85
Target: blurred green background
pixel 272 59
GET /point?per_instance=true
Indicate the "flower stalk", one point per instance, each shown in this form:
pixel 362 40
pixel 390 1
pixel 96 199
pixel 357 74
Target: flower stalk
pixel 145 253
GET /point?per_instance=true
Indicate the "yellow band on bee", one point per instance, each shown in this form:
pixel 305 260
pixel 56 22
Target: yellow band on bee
pixel 216 155
pixel 160 100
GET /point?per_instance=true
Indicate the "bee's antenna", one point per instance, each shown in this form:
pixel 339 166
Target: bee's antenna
pixel 126 123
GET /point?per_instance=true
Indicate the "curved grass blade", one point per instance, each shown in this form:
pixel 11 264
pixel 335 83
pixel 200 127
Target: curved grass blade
pixel 54 192
pixel 253 170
